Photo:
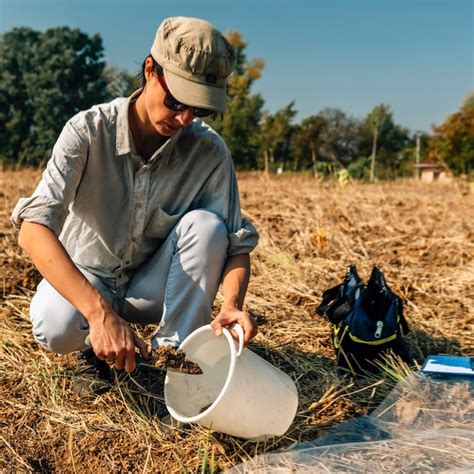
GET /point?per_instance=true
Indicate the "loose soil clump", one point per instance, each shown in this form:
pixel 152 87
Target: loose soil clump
pixel 174 359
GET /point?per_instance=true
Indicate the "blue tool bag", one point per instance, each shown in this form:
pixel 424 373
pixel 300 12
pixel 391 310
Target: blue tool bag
pixel 367 321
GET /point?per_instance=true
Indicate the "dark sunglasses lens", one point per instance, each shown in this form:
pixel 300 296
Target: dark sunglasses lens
pixel 173 104
pixel 202 112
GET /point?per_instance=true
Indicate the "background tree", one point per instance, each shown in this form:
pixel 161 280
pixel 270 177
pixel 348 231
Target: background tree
pixel 120 83
pixel 16 109
pixel 239 126
pixel 392 139
pixel 306 142
pixel 339 137
pixel 453 140
pixel 275 135
pixel 45 78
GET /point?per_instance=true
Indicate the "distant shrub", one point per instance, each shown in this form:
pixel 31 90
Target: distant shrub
pixel 360 168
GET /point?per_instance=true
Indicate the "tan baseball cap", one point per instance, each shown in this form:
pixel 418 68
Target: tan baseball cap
pixel 196 59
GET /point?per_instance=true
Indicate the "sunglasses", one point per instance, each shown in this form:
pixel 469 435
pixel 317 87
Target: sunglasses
pixel 173 104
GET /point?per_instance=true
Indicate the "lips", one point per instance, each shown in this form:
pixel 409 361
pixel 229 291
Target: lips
pixel 171 127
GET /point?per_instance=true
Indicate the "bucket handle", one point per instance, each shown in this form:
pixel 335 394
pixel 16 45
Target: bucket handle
pixel 238 329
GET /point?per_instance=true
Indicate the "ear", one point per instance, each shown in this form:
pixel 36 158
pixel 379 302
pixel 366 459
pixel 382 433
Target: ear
pixel 148 68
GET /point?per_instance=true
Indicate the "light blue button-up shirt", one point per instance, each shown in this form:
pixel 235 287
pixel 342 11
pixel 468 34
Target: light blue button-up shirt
pixel 112 210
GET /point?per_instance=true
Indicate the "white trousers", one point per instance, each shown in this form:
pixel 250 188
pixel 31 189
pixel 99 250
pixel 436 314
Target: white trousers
pixel 175 288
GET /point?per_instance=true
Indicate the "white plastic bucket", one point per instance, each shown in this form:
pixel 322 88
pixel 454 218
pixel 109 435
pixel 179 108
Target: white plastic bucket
pixel 239 393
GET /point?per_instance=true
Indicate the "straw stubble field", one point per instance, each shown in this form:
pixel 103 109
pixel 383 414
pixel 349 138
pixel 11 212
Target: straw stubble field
pixel 421 236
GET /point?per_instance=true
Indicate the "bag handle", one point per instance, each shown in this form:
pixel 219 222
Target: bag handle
pixel 378 278
pixel 334 308
pixel 328 300
pixel 336 305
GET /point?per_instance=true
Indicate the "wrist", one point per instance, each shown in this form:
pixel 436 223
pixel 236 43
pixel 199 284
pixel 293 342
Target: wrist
pixel 94 307
pixel 232 303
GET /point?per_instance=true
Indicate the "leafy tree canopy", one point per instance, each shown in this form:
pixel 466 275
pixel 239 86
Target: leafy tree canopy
pixel 453 140
pixel 392 139
pixel 240 124
pixel 120 83
pixel 340 137
pixel 275 133
pixel 45 78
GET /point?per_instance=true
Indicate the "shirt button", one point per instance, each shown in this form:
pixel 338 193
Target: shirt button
pixel 134 239
pixel 127 263
pixel 139 205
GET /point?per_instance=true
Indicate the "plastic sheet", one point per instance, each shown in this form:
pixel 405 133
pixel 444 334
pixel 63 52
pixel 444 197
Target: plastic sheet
pixel 425 424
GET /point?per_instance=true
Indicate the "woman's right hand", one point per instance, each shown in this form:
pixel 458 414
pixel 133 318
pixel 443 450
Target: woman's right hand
pixel 111 337
pixel 114 340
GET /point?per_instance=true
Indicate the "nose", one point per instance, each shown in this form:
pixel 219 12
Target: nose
pixel 185 116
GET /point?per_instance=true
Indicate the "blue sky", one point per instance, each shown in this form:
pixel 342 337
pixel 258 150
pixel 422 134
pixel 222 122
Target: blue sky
pixel 414 55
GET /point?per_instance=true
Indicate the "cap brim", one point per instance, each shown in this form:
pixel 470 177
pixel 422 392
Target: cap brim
pixel 196 94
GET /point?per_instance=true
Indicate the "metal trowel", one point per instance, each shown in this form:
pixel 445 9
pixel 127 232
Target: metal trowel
pixel 191 368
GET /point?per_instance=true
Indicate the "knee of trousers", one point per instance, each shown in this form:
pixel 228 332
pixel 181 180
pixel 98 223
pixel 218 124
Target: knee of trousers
pixel 206 230
pixel 59 328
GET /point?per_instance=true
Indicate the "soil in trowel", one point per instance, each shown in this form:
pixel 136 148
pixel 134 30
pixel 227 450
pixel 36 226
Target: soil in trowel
pixel 171 358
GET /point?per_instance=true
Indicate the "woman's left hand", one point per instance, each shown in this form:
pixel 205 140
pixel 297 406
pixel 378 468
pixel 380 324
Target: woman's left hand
pixel 229 316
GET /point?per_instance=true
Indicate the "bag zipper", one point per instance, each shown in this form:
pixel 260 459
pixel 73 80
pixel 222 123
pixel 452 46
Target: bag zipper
pixel 378 331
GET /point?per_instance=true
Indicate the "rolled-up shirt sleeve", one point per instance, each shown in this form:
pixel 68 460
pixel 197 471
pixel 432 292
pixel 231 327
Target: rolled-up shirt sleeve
pixel 244 240
pixel 49 203
pixel 221 195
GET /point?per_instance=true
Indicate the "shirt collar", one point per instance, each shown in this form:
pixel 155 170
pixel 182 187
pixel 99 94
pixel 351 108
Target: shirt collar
pixel 123 141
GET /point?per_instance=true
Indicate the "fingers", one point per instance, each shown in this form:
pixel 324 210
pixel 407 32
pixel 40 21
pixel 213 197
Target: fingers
pixel 119 361
pixel 228 317
pixel 221 321
pixel 124 357
pixel 217 327
pixel 120 351
pixel 100 355
pixel 234 333
pixel 130 361
pixel 249 326
pixel 142 346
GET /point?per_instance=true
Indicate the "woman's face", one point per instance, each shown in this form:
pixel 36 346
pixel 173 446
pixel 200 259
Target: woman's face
pixel 165 121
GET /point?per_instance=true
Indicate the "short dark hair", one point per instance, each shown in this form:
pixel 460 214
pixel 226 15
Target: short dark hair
pixel 156 68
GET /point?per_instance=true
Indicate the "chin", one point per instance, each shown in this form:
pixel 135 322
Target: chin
pixel 164 130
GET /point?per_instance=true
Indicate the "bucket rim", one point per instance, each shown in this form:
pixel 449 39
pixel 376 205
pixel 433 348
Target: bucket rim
pixel 215 403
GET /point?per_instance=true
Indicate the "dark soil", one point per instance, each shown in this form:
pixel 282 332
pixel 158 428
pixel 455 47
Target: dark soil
pixel 171 358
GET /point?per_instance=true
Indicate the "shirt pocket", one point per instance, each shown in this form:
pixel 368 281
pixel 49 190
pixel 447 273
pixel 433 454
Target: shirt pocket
pixel 161 223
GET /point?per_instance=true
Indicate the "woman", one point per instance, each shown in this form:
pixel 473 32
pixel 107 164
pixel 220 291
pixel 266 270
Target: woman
pixel 137 215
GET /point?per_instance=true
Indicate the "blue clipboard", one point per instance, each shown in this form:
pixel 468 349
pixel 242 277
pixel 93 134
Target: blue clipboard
pixel 449 365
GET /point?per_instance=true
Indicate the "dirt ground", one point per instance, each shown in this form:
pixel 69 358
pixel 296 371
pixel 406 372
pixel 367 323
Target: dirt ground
pixel 420 235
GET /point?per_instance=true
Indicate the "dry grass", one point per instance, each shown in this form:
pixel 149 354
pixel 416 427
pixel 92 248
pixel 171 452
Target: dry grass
pixel 422 237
